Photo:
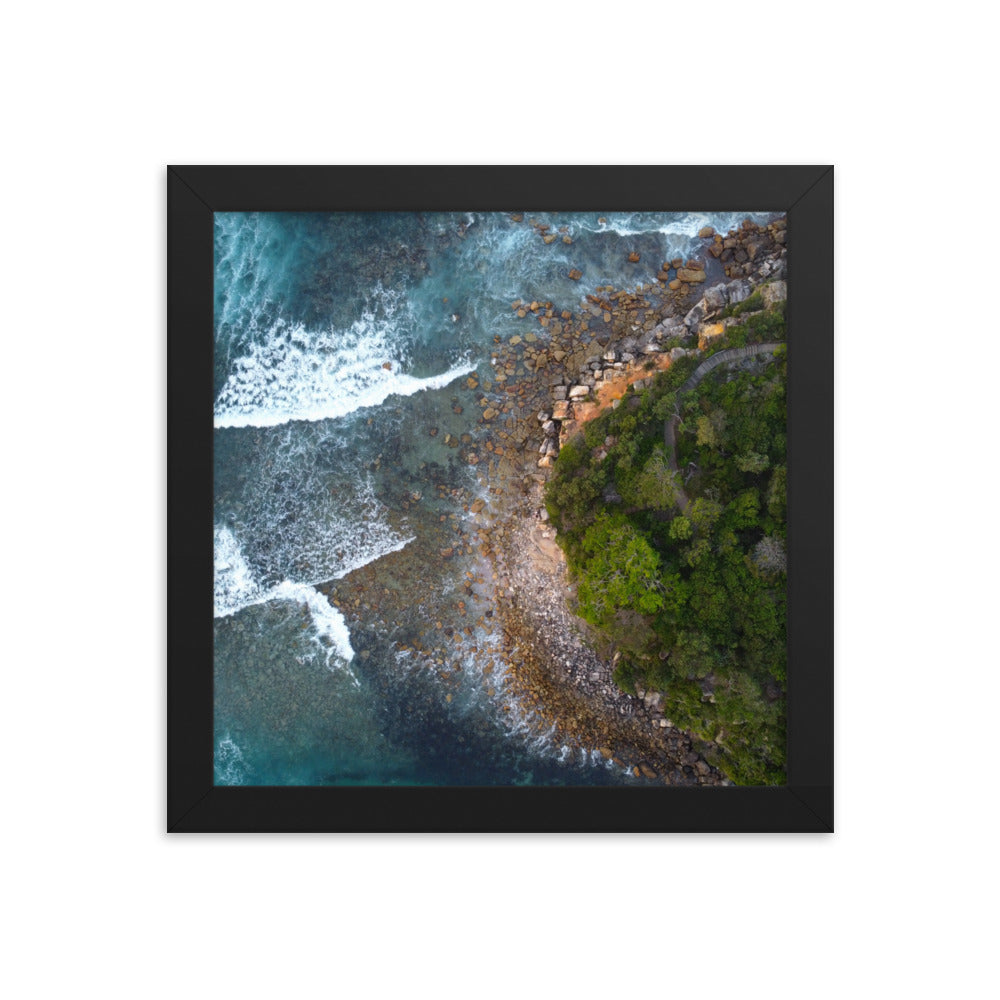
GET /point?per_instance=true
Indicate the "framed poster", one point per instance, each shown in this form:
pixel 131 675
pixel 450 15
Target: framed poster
pixel 500 498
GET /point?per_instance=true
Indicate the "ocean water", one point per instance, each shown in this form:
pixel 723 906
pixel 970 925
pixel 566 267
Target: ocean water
pixel 346 650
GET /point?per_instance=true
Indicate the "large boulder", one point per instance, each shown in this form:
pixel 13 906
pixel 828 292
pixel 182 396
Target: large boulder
pixel 715 299
pixel 708 333
pixel 737 291
pixel 776 291
pixel 691 275
pixel 694 317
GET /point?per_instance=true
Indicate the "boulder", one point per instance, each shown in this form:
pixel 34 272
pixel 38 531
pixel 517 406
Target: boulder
pixel 576 274
pixel 674 284
pixel 715 299
pixel 578 392
pixel 560 409
pixel 691 276
pixel 633 257
pixel 776 291
pixel 709 332
pixel 705 232
pixel 737 291
pixel 694 317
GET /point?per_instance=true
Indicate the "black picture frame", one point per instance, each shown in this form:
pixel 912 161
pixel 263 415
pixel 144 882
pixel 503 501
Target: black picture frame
pixel 805 194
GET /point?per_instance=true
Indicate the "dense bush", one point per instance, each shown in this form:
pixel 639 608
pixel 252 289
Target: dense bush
pixel 694 601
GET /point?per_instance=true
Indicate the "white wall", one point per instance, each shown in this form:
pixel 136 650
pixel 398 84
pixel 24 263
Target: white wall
pixel 98 900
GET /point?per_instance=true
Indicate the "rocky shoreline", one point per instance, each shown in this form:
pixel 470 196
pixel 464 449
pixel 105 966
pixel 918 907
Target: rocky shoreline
pixel 547 385
pixel 558 672
pixel 564 369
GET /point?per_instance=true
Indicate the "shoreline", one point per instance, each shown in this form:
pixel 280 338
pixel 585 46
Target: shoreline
pixel 560 674
pixel 564 680
pixel 562 371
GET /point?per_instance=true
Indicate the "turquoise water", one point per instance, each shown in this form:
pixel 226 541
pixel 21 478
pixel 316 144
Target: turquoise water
pixel 341 340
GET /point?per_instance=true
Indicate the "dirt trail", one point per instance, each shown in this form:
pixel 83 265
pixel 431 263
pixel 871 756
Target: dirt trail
pixel 670 426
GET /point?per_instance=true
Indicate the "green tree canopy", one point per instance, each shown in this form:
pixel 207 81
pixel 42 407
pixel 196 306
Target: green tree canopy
pixel 622 572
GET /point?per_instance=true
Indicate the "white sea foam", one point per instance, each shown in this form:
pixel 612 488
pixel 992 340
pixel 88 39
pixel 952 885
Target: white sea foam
pixel 236 589
pixel 687 225
pixel 230 766
pixel 328 622
pixel 235 586
pixel 293 373
pixel 305 396
pixel 363 557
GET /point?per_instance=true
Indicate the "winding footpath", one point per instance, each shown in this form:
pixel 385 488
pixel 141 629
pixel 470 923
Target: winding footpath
pixel 670 426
